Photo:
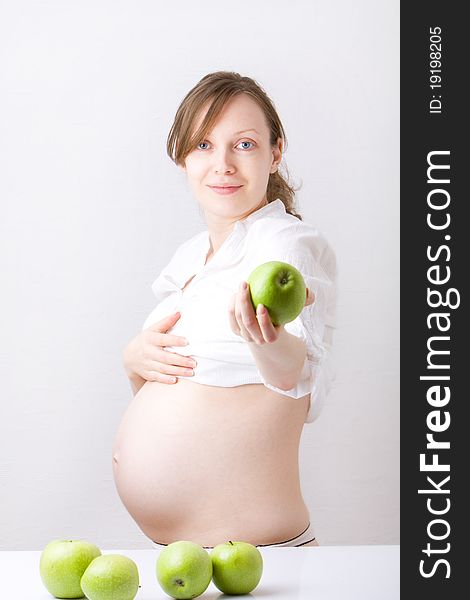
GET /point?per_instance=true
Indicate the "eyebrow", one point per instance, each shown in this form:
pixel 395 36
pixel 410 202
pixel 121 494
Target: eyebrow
pixel 245 131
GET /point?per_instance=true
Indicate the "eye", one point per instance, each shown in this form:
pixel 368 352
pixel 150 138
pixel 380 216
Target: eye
pixel 246 142
pixel 198 147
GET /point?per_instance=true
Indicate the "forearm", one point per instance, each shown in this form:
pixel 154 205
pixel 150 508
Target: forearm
pixel 280 363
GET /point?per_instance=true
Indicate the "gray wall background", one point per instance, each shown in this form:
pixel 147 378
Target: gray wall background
pixel 92 209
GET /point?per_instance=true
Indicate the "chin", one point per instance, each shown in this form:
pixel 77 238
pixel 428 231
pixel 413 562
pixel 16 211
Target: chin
pixel 233 206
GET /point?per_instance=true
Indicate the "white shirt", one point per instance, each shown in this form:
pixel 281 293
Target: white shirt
pixel 224 358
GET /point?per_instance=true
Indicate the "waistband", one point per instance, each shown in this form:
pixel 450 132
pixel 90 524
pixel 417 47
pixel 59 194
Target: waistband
pixel 299 540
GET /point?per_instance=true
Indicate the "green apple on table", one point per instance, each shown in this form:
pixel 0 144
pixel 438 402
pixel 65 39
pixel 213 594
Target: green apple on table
pixel 281 288
pixel 111 577
pixel 62 564
pixel 237 567
pixel 184 569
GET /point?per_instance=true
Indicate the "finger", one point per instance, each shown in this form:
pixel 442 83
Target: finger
pixel 245 334
pixel 155 376
pixel 231 316
pixel 172 358
pixel 166 339
pixel 166 323
pixel 267 328
pixel 309 297
pixel 248 315
pixel 172 370
pixel 239 321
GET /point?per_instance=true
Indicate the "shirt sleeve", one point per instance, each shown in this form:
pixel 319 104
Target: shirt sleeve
pixel 307 250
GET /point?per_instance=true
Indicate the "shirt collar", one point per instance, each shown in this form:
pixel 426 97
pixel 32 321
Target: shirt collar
pixel 235 238
pixel 276 207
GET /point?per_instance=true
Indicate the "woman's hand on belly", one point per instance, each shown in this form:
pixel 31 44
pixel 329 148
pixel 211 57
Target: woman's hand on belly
pixel 146 356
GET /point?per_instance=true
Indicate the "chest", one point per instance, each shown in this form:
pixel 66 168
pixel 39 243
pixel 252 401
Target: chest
pixel 203 301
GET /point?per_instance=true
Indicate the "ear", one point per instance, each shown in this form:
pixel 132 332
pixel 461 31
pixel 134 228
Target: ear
pixel 277 155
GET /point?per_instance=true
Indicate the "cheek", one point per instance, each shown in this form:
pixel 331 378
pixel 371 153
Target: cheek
pixel 192 161
pixel 195 170
pixel 261 166
pixel 259 177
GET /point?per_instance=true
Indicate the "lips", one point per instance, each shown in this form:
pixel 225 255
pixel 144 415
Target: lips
pixel 224 185
pixel 225 189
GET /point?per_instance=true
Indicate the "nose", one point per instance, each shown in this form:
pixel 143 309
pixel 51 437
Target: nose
pixel 223 162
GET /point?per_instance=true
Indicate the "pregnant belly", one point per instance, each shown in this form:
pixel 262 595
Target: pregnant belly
pixel 206 462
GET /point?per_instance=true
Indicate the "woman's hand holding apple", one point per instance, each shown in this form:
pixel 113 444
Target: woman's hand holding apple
pixel 278 354
pixel 254 326
pixel 146 356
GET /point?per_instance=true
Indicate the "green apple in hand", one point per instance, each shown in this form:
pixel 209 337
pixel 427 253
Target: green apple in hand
pixel 281 288
pixel 62 565
pixel 111 577
pixel 237 567
pixel 184 569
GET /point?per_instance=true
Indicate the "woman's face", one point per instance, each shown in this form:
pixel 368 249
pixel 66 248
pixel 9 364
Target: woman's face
pixel 236 152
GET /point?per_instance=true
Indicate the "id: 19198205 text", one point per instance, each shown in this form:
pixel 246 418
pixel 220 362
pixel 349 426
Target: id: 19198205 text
pixel 435 69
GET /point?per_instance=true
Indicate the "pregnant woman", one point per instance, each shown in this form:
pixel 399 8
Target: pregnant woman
pixel 207 450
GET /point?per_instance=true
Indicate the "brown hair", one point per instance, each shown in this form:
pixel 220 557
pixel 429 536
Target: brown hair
pixel 219 88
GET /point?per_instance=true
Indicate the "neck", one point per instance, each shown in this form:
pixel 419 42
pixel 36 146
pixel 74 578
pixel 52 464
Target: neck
pixel 218 233
pixel 219 228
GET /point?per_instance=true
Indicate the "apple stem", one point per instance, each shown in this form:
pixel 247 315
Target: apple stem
pixel 230 542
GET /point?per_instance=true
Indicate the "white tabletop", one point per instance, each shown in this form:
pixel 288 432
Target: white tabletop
pixel 311 573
